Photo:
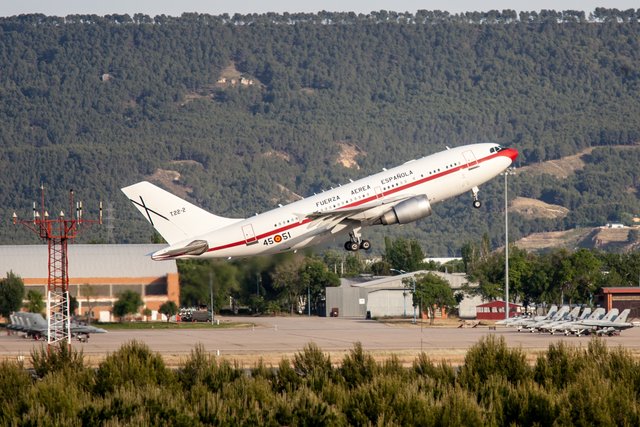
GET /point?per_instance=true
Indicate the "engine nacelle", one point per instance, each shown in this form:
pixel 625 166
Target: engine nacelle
pixel 407 211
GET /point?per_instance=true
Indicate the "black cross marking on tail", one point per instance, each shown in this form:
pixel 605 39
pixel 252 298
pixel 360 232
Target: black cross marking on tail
pixel 147 210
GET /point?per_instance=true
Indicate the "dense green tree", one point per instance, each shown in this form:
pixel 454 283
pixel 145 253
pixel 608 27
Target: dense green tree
pixel 73 305
pixel 194 282
pixel 35 302
pixel 472 253
pixel 432 292
pixel 404 255
pixel 380 268
pixel 586 275
pixel 11 294
pixel 559 276
pixel 128 302
pixel 316 277
pixel 287 280
pixel 168 308
pixel 519 271
pixel 489 274
pixel 334 260
pixel 199 277
pixel 353 264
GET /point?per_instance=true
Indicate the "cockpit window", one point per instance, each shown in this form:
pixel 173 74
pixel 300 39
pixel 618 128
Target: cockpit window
pixel 496 149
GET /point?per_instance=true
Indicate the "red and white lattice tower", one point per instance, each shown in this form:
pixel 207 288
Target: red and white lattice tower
pixel 57 232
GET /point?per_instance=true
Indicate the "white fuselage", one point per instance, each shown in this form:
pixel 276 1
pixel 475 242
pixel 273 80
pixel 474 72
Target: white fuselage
pixel 314 219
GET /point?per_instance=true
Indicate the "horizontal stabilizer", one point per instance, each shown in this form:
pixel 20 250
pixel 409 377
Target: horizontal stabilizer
pixel 197 247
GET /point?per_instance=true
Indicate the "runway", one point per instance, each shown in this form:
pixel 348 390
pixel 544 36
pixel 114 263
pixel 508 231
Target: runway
pixel 275 337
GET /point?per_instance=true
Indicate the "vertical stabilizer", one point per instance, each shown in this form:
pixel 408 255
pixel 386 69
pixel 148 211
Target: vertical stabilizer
pixel 622 318
pixel 174 218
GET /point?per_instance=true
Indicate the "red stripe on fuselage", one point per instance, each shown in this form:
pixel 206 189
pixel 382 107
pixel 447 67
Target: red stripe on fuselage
pixel 262 236
pixel 507 152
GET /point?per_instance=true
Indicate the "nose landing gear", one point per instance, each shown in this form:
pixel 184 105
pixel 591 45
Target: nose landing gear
pixel 476 202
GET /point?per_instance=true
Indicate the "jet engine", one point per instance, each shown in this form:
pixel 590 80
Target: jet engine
pixel 407 211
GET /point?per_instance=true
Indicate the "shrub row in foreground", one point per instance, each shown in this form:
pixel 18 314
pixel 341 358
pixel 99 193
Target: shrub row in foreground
pixel 494 386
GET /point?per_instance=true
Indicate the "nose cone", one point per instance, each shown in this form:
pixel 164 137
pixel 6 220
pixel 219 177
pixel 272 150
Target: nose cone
pixel 512 153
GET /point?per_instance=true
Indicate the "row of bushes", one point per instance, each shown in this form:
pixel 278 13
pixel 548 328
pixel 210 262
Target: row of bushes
pixel 494 386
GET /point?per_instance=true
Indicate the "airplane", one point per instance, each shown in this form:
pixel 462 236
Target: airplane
pixel 533 326
pixel 525 323
pixel 16 323
pixel 565 327
pixel 574 316
pixel 590 325
pixel 400 195
pixel 617 325
pixel 34 325
pixel 522 320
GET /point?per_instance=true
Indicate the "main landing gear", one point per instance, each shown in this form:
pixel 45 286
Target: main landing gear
pixel 476 202
pixel 356 242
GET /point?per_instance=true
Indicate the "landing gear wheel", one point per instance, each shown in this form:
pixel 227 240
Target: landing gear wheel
pixel 477 204
pixel 365 245
pixel 353 246
pixel 356 241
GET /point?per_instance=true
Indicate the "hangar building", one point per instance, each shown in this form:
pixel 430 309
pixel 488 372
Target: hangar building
pixel 388 296
pixel 622 298
pixel 98 273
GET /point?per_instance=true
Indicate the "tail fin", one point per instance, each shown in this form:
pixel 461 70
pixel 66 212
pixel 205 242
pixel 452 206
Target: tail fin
pixel 38 320
pixel 175 219
pixel 622 318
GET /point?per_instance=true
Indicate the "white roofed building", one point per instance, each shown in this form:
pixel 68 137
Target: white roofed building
pixel 388 296
pixel 98 274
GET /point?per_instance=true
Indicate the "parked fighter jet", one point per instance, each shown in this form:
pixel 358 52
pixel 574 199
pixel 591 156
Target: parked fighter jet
pixel 34 325
pixel 573 316
pixel 560 317
pixel 523 320
pixel 592 325
pixel 529 326
pixel 617 325
pixel 565 327
pixel 17 323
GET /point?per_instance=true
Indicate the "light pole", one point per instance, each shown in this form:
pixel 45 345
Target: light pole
pixel 211 293
pixel 413 280
pixel 506 173
pixel 309 299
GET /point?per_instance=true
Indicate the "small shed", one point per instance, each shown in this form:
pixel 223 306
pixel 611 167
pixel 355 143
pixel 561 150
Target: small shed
pixel 494 310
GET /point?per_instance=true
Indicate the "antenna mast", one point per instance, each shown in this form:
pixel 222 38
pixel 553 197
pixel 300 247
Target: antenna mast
pixel 57 232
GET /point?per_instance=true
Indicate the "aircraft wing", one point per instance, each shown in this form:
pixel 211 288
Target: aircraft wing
pixel 364 212
pixel 86 329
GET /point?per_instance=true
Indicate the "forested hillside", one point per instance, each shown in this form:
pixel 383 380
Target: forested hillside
pixel 247 109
